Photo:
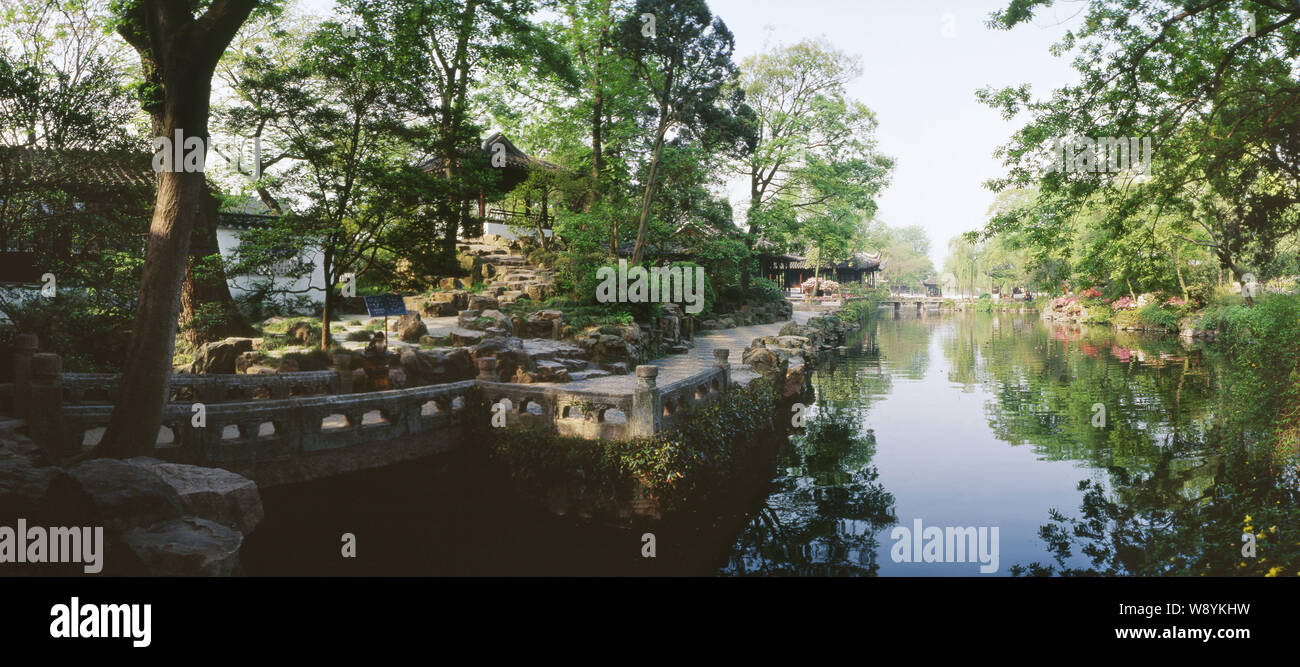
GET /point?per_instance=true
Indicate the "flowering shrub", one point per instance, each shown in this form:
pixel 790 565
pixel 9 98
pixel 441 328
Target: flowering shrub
pixel 1175 301
pixel 1123 303
pixel 1090 293
pixel 826 285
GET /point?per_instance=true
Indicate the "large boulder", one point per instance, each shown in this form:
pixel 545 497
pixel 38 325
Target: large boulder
pixel 219 357
pixel 410 327
pixel 212 493
pixel 303 333
pixel 500 320
pixel 463 336
pixel 798 375
pixel 459 365
pixel 767 363
pixel 468 319
pixel 188 547
pixel 23 487
pixel 482 302
pixel 551 371
pixel 509 353
pixel 124 495
pixel 439 309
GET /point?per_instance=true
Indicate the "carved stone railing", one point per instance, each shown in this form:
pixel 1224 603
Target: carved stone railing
pixel 253 432
pixel 286 437
pixel 92 388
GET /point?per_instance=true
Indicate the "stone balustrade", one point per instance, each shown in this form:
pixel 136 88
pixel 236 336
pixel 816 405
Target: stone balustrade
pixel 249 435
pixel 286 437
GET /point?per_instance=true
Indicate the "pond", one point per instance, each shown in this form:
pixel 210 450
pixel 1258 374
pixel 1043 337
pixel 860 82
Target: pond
pixel 971 420
pixel 955 420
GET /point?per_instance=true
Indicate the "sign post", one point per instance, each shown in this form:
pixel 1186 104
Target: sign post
pixel 384 305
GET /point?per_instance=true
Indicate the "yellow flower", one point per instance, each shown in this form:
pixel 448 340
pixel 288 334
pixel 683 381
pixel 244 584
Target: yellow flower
pixel 1274 571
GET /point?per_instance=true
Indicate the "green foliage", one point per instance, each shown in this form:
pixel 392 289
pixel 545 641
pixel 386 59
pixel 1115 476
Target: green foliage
pixel 1154 315
pixel 1099 312
pixel 360 336
pixel 765 290
pixel 88 328
pixel 676 468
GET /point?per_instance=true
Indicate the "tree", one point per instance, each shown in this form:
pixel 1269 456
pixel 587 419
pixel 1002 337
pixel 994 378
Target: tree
pixel 348 161
pixel 63 91
pixel 815 149
pixel 1209 84
pixel 178 51
pixel 440 50
pixel 685 64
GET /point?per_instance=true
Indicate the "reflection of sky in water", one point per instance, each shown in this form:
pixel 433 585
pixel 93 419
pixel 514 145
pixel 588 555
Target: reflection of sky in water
pixel 981 420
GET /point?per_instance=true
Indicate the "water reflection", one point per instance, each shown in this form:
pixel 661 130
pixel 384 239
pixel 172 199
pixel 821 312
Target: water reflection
pixel 983 420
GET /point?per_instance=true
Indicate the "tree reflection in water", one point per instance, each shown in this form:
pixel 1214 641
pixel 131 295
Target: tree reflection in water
pixel 826 507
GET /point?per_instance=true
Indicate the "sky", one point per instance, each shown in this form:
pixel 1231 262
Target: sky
pixel 922 60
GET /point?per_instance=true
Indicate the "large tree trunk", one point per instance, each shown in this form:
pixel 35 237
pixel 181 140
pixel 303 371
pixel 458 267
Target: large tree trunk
pixel 643 228
pixel 205 285
pixel 178 55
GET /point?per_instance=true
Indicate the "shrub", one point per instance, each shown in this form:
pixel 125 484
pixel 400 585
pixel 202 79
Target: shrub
pixel 88 328
pixel 1153 315
pixel 360 336
pixel 765 290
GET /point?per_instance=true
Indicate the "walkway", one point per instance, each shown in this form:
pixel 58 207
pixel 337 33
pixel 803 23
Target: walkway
pixel 675 367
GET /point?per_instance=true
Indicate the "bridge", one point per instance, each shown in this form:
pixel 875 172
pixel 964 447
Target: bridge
pixel 919 301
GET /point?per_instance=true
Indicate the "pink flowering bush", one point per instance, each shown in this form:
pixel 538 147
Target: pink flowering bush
pixel 827 286
pixel 1123 303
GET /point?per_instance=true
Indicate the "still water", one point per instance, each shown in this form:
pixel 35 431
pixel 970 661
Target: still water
pixel 973 420
pixel 958 420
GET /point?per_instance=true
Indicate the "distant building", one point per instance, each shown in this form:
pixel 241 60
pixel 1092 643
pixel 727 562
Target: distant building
pixel 497 218
pixel 79 189
pixel 790 271
pixel 250 213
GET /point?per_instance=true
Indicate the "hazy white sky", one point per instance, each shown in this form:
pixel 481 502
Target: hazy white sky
pixel 923 61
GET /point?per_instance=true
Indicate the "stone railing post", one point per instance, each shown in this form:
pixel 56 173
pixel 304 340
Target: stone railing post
pixel 487 369
pixel 557 329
pixel 45 409
pixel 721 360
pixel 25 346
pixel 343 366
pixel 647 408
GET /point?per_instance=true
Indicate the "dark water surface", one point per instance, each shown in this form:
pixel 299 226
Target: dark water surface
pixel 959 420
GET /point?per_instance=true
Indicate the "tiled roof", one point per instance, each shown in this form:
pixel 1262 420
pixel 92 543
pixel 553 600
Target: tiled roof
pixel 860 260
pixel 80 169
pixel 513 156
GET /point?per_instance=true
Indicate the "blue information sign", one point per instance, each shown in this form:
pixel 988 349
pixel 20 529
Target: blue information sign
pixel 385 305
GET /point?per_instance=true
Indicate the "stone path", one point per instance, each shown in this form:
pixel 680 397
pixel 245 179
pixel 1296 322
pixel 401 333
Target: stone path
pixel 680 366
pixel 672 367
